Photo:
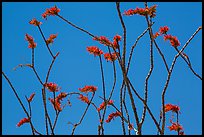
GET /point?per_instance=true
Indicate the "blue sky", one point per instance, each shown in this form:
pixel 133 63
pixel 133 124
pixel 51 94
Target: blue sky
pixel 75 67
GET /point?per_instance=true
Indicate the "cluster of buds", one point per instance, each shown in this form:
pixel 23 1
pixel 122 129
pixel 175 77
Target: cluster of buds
pixel 142 11
pixel 22 121
pixel 88 89
pixel 173 108
pixel 110 57
pixel 84 99
pixel 57 101
pixel 52 87
pixel 51 38
pixel 112 115
pixel 35 22
pixel 94 50
pixel 104 104
pixel 30 40
pixel 51 11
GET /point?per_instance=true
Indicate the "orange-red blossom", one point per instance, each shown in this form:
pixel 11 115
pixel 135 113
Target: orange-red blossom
pixel 173 108
pixel 22 121
pixel 173 40
pixel 30 40
pixel 94 50
pixel 51 11
pixel 110 57
pixel 103 105
pixel 112 115
pixel 175 126
pixel 31 97
pixel 88 89
pixel 51 38
pixel 84 99
pixel 35 22
pixel 57 102
pixel 52 87
pixel 142 11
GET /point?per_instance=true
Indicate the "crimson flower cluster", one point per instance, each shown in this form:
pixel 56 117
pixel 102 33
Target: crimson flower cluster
pixel 88 89
pixel 30 40
pixel 112 115
pixel 94 50
pixel 173 108
pixel 163 31
pixel 52 87
pixel 35 22
pixel 51 38
pixel 110 57
pixel 142 11
pixel 84 99
pixel 105 41
pixel 22 121
pixel 51 11
pixel 176 127
pixel 104 104
pixel 57 102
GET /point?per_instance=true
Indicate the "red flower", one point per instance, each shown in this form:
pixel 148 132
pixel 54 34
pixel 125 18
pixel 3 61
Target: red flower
pixel 35 22
pixel 30 40
pixel 61 96
pixel 142 11
pixel 173 108
pixel 110 57
pixel 103 40
pixel 22 121
pixel 51 38
pixel 88 89
pixel 52 87
pixel 84 99
pixel 31 97
pixel 103 105
pixel 56 104
pixel 163 30
pixel 156 35
pixel 51 11
pixel 115 41
pixel 94 50
pixel 173 40
pixel 112 115
pixel 176 127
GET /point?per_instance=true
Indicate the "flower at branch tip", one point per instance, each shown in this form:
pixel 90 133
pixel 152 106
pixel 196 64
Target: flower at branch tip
pixel 31 97
pixel 103 40
pixel 112 115
pixel 163 30
pixel 30 40
pixel 173 108
pixel 51 38
pixel 103 105
pixel 52 87
pixel 156 35
pixel 35 22
pixel 56 104
pixel 175 127
pixel 22 121
pixel 88 89
pixel 61 96
pixel 94 50
pixel 51 11
pixel 110 57
pixel 142 11
pixel 84 99
pixel 173 40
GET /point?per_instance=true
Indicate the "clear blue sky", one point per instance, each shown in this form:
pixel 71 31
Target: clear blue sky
pixel 75 67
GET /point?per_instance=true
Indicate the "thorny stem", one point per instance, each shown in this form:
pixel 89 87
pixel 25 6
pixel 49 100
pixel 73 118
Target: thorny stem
pixel 151 67
pixel 124 32
pixel 189 65
pixel 75 26
pixel 19 100
pixel 77 124
pixel 168 78
pixel 45 41
pixel 104 92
